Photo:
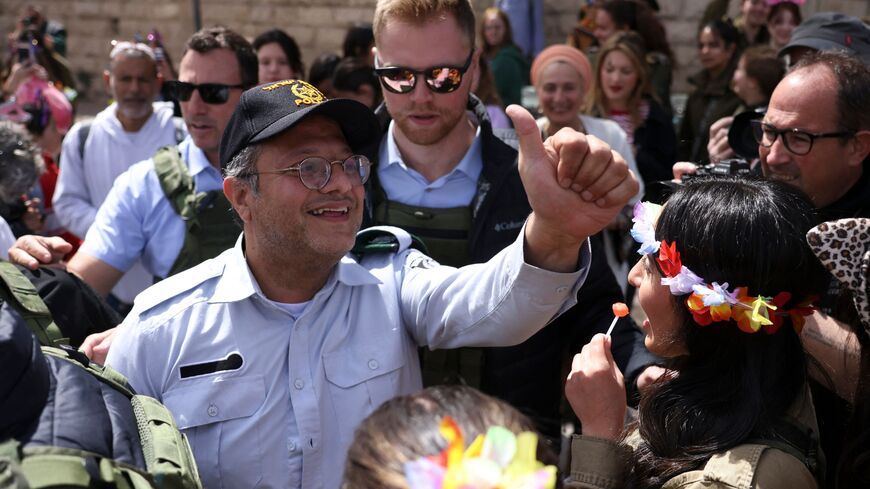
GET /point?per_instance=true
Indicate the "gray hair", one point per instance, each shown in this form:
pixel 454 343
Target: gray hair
pixel 129 49
pixel 244 166
pixel 21 162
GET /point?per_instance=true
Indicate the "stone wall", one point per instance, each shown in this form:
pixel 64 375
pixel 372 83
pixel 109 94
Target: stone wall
pixel 317 25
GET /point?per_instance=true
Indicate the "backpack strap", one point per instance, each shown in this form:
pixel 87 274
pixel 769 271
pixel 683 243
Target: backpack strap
pixel 175 180
pixel 180 129
pixel 48 467
pixel 84 131
pixel 103 373
pixel 19 292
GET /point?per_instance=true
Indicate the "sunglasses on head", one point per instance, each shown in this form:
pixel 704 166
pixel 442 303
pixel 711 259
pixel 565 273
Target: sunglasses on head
pixel 211 93
pixel 439 79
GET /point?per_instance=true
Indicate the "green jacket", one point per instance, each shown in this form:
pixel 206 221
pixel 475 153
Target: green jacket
pixel 510 71
pixel 600 464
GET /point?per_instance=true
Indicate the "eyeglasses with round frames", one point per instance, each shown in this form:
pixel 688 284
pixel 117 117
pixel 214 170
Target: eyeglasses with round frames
pixel 796 141
pixel 439 79
pixel 315 171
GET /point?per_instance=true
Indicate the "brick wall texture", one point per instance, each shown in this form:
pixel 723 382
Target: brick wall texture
pixel 317 25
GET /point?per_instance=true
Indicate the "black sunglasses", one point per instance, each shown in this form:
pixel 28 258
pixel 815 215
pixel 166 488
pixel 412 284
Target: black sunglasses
pixel 439 79
pixel 211 93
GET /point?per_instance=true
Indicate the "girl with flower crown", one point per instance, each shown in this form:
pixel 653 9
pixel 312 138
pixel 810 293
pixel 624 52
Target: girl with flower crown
pixel 726 279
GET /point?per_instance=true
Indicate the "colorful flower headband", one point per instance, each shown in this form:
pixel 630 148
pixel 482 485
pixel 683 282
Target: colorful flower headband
pixel 499 460
pixel 712 302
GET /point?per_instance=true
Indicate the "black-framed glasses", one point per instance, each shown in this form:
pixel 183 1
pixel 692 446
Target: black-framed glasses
pixel 211 93
pixel 315 171
pixel 795 140
pixel 439 79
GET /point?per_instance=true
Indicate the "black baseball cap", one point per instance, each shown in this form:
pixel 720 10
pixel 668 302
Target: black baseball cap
pixel 828 31
pixel 270 109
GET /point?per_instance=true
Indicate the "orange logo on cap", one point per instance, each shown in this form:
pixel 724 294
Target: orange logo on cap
pixel 305 93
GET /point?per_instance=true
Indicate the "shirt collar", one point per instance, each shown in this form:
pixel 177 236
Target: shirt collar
pixel 238 283
pixel 196 160
pixel 471 163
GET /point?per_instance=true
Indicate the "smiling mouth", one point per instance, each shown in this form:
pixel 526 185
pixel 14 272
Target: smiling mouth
pixel 330 211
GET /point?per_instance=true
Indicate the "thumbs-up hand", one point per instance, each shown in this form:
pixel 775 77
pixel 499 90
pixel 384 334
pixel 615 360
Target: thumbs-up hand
pixel 575 184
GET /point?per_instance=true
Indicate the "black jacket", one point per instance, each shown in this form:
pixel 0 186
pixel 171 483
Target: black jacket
pixel 48 401
pixel 655 143
pixel 531 375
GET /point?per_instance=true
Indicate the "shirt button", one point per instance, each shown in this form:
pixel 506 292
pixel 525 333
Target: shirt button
pixel 212 410
pixel 373 364
pixel 561 290
pixel 292 447
pixel 299 383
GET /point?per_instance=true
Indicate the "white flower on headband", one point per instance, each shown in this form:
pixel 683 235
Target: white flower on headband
pixel 682 283
pixel 644 231
pixel 717 295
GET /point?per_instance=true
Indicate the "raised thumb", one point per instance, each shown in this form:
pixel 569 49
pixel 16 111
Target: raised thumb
pixel 528 134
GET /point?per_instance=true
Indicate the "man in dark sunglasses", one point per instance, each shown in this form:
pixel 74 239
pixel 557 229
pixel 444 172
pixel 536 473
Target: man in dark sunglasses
pixel 169 211
pixel 445 176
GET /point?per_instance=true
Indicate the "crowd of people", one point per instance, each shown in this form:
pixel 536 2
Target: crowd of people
pixel 381 270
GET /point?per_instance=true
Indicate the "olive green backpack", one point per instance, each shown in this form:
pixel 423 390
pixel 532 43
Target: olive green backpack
pixel 168 458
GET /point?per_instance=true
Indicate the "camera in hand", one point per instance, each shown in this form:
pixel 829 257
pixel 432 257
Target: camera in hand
pixel 734 166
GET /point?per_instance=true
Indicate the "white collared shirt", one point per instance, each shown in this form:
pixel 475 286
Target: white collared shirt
pixel 283 412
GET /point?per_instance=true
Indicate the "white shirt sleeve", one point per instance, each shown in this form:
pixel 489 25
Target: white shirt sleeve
pixel 7 239
pixel 72 201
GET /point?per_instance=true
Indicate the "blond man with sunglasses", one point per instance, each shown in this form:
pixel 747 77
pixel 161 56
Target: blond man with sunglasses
pixel 444 175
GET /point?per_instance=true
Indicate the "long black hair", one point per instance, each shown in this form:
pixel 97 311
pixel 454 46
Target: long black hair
pixel 731 385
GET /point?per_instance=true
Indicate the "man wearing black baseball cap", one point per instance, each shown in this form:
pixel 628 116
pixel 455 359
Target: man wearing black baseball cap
pixel 270 354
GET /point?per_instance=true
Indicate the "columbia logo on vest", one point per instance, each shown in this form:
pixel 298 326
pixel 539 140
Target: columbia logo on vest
pixel 507 226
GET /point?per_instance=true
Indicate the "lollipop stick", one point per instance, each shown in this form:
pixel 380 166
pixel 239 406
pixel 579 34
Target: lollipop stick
pixel 612 325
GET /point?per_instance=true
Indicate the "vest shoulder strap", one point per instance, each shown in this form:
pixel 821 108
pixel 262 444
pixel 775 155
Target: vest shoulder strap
pixel 385 239
pixel 17 290
pixel 175 180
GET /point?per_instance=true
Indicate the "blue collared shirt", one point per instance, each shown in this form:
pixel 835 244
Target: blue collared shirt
pixel 137 220
pixel 407 186
pixel 282 415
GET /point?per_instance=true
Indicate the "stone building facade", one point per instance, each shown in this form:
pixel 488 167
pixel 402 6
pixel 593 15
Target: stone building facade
pixel 317 25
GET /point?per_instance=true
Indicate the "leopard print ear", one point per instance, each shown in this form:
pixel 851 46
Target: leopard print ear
pixel 843 247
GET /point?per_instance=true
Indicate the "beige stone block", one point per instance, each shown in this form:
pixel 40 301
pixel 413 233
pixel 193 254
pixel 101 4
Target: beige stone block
pixel 349 16
pixel 315 16
pixel 302 34
pixel 329 38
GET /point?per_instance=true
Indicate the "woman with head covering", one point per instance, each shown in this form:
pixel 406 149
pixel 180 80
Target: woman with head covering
pixel 562 77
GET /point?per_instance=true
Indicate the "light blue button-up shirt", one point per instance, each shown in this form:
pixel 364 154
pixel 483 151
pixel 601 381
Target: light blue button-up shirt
pixel 407 186
pixel 283 414
pixel 137 220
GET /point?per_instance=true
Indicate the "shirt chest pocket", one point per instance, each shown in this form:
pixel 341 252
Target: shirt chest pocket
pixel 218 416
pixel 360 381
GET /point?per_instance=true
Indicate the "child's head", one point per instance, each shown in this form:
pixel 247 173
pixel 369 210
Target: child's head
pixel 406 428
